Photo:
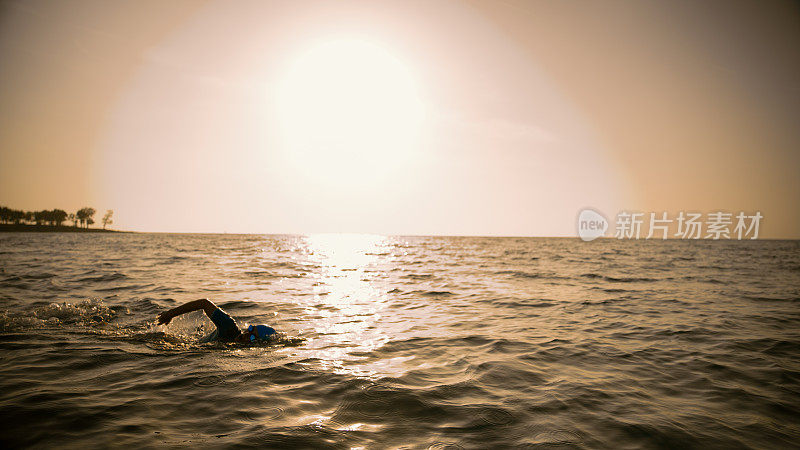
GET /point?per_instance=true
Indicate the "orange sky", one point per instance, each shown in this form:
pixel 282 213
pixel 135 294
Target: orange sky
pixel 478 118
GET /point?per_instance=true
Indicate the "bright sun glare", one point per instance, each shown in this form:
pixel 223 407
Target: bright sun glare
pixel 350 113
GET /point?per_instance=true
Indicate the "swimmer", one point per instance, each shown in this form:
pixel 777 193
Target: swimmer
pixel 227 330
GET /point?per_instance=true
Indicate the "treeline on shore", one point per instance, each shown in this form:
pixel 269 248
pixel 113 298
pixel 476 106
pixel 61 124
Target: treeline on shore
pixel 52 218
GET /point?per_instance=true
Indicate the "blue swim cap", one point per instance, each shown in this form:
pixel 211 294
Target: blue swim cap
pixel 262 331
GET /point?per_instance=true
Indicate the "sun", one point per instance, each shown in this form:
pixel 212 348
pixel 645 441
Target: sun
pixel 349 113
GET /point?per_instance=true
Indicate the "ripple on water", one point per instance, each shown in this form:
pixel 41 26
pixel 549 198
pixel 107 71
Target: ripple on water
pixel 557 437
pixel 212 380
pixel 483 343
pixel 444 446
pixel 495 416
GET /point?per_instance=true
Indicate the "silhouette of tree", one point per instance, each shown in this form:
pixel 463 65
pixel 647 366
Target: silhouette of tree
pixel 59 216
pixel 55 217
pixel 107 218
pixel 85 215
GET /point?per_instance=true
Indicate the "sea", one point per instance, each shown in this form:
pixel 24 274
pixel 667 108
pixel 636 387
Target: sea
pixel 399 342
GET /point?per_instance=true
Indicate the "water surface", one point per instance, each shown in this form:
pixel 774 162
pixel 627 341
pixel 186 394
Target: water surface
pixel 421 342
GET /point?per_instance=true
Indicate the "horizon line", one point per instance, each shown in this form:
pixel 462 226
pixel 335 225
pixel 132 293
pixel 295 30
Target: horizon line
pixel 445 235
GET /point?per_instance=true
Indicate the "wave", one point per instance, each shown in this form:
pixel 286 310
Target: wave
pixel 619 279
pixel 432 293
pixel 88 312
pixel 592 275
pixel 240 304
pixel 127 287
pixel 525 303
pixel 259 274
pixel 465 346
pixel 36 276
pixel 103 278
pixel 147 305
pixel 702 279
pixel 418 276
pixel 758 298
pixel 519 274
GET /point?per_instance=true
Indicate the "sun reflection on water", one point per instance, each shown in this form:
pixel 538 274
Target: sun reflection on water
pixel 344 251
pixel 346 304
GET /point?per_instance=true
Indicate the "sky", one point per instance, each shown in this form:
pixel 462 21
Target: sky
pixel 399 117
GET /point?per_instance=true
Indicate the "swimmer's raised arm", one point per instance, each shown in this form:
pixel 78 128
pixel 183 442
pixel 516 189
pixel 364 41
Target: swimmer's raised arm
pixel 205 304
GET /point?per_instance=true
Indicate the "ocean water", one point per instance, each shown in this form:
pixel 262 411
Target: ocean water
pixel 412 342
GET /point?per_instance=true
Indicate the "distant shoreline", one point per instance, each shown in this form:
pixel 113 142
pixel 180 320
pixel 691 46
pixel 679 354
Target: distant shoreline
pixel 23 227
